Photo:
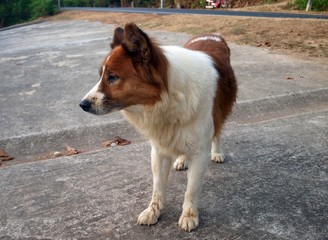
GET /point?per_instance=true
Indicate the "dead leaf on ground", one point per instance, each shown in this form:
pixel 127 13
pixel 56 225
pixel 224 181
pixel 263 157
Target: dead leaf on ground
pixel 268 44
pixel 4 156
pixel 116 141
pixel 72 151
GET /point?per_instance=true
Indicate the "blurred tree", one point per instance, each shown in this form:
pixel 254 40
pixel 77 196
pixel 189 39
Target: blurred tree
pixel 18 11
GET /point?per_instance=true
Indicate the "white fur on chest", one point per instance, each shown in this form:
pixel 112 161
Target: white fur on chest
pixel 184 113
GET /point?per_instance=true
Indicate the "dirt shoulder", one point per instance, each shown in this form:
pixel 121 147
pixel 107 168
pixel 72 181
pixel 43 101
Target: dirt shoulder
pixel 303 38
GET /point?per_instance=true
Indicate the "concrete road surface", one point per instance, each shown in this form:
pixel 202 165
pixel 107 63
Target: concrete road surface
pixel 272 186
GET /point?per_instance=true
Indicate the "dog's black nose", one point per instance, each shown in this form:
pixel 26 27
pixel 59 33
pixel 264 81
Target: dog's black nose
pixel 85 105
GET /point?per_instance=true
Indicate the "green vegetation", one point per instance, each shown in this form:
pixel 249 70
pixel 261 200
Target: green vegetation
pixel 317 5
pixel 18 11
pixel 90 3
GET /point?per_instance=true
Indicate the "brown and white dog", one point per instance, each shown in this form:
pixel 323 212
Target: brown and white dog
pixel 179 97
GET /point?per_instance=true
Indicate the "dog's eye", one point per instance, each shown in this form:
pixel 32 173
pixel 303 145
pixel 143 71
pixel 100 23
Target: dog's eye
pixel 112 78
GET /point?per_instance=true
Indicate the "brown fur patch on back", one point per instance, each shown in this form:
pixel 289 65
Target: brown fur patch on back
pixel 216 47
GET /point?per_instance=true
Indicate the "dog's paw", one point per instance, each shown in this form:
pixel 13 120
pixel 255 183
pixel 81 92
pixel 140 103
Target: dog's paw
pixel 218 157
pixel 149 216
pixel 180 164
pixel 189 221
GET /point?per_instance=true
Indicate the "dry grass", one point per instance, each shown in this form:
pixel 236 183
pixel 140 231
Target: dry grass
pixel 303 38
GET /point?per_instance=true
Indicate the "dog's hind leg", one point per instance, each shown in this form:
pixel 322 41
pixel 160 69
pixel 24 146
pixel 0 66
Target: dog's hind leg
pixel 161 165
pixel 217 154
pixel 181 163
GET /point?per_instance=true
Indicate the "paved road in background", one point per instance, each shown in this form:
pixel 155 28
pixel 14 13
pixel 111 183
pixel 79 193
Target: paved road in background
pixel 168 11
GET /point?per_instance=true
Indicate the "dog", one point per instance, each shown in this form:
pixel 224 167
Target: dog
pixel 178 97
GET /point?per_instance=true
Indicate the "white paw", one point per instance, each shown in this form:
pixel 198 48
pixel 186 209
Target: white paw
pixel 189 221
pixel 149 216
pixel 218 157
pixel 180 164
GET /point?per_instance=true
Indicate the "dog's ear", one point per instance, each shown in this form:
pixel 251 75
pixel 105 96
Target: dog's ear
pixel 118 37
pixel 137 43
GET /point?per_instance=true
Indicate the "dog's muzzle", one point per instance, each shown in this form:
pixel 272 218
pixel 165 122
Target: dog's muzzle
pixel 85 105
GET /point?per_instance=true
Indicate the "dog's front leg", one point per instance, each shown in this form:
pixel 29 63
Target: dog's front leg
pixel 189 219
pixel 161 165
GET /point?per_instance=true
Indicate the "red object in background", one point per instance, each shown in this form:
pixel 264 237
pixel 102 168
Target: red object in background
pixel 215 3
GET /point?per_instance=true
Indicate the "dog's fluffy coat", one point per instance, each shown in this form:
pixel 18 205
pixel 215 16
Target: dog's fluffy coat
pixel 178 97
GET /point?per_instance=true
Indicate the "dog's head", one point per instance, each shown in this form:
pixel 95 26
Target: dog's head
pixel 133 73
